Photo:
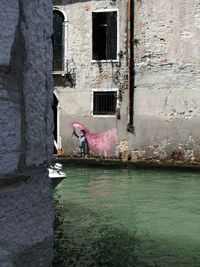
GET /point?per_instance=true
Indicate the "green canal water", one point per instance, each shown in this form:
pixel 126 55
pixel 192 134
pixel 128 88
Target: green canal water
pixel 121 217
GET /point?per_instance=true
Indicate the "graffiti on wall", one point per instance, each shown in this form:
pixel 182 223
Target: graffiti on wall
pixel 101 144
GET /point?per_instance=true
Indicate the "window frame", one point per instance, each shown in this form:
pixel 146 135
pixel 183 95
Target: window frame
pixel 65 42
pixel 104 90
pixel 118 40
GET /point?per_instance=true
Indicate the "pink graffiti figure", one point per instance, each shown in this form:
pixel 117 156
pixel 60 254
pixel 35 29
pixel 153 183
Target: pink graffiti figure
pixel 100 143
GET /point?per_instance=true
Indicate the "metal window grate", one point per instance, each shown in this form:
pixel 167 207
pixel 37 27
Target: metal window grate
pixel 104 103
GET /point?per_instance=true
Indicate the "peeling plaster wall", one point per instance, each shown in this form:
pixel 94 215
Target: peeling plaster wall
pixel 26 133
pixel 167 79
pixel 76 102
pixel 166 104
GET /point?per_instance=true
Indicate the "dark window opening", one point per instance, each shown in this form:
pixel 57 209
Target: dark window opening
pixel 58 47
pixel 55 105
pixel 104 37
pixel 104 103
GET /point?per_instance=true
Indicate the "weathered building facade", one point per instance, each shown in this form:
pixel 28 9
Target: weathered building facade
pixel 93 84
pixel 26 212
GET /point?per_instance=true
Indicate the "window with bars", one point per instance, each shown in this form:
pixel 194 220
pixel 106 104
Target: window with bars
pixel 104 102
pixel 58 45
pixel 104 35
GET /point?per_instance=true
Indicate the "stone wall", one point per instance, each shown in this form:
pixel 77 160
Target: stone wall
pixel 26 133
pixel 167 79
pixel 76 102
pixel 166 101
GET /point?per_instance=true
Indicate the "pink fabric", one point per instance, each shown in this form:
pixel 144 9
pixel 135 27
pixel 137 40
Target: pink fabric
pixel 78 125
pixel 100 143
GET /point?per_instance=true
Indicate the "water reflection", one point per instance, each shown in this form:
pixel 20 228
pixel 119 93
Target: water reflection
pixel 128 218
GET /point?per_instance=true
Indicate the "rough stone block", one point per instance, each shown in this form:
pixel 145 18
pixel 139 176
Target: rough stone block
pixel 9 14
pixel 26 220
pixel 10 141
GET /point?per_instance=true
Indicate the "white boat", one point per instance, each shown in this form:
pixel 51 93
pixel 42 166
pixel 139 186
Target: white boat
pixel 56 174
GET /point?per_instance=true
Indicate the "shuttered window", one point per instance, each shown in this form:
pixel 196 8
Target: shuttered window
pixel 58 46
pixel 104 37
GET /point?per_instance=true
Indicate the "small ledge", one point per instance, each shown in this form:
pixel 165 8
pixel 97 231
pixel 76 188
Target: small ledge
pixel 119 163
pixel 10 180
pixel 59 72
pixel 99 61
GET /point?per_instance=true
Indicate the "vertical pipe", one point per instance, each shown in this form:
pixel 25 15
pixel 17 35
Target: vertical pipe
pixel 131 76
pixel 58 127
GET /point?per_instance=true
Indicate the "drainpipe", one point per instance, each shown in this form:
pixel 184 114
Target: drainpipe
pixel 58 127
pixel 131 76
